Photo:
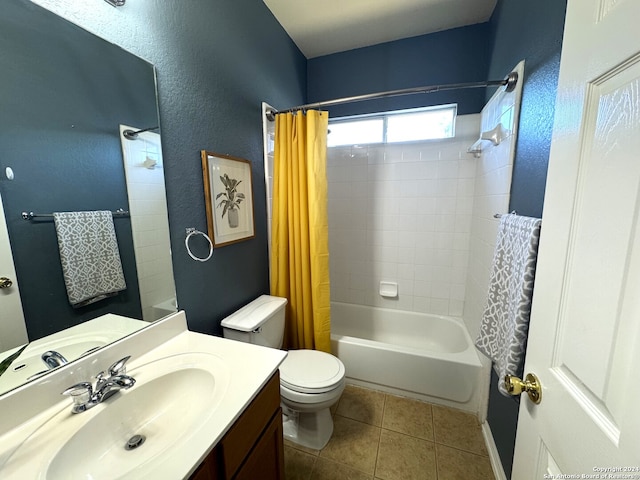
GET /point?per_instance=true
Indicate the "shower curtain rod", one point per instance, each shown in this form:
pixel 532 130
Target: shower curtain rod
pixel 509 82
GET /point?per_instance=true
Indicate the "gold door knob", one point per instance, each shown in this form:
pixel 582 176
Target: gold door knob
pixel 5 282
pixel 531 385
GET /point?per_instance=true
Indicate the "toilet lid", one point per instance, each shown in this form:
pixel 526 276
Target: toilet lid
pixel 311 371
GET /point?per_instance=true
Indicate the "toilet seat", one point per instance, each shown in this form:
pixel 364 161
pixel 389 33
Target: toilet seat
pixel 310 402
pixel 311 371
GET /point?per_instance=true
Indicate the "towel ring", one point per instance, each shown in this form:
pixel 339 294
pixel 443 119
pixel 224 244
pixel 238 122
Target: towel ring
pixel 191 232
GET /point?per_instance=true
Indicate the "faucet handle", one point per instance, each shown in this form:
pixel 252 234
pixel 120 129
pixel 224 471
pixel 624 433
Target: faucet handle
pixel 101 378
pixel 79 389
pixel 80 393
pixel 119 367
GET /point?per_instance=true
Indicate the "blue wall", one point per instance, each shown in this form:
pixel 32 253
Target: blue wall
pixel 530 31
pixel 521 29
pixel 452 56
pixel 216 62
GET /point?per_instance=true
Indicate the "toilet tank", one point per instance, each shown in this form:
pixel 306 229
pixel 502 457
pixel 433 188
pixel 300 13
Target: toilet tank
pixel 260 322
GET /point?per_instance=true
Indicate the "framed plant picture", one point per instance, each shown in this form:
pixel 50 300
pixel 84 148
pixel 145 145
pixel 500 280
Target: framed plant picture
pixel 228 192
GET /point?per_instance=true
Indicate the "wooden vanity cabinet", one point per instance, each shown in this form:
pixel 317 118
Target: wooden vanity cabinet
pixel 253 447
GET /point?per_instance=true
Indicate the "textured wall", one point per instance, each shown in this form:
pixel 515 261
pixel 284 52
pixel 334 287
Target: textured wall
pixel 531 31
pixel 216 61
pixel 452 56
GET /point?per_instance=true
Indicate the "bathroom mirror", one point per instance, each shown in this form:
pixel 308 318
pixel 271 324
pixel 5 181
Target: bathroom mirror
pixel 65 97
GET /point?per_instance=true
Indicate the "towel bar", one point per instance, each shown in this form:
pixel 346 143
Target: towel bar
pixel 499 215
pixel 30 215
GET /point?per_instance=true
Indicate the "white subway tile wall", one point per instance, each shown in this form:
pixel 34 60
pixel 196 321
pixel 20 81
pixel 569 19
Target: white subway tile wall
pixel 403 213
pixel 148 208
pixel 268 140
pixel 492 186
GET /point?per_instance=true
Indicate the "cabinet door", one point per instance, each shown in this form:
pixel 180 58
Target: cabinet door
pixel 208 470
pixel 237 444
pixel 266 460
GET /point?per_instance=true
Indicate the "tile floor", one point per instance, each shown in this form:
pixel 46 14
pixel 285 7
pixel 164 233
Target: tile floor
pixel 385 437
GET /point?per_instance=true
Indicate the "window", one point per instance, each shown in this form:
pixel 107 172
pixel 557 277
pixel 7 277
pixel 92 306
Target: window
pixel 365 130
pixel 392 127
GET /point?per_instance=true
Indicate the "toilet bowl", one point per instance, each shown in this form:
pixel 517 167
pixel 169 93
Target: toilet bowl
pixel 310 381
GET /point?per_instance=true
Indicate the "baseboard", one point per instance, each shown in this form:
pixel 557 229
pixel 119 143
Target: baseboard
pixel 494 457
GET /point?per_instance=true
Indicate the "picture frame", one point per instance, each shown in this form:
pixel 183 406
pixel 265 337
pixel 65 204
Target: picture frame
pixel 228 192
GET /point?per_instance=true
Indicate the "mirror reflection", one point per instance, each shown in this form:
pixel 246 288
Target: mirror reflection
pixel 66 98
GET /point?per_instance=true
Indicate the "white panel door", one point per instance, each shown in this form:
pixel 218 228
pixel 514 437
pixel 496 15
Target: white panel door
pixel 584 341
pixel 13 331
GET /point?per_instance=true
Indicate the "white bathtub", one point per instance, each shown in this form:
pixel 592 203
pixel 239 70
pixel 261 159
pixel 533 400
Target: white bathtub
pixel 423 356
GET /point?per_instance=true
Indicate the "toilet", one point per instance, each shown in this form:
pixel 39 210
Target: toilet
pixel 310 381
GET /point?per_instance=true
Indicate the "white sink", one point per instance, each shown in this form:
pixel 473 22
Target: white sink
pixel 190 389
pixel 172 399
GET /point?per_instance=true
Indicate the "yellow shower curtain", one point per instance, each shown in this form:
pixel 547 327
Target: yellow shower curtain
pixel 299 239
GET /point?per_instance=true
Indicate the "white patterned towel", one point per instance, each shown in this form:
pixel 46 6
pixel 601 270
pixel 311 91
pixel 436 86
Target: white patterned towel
pixel 505 322
pixel 89 255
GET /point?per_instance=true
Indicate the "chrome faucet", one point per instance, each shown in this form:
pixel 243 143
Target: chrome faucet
pixel 53 359
pixel 86 396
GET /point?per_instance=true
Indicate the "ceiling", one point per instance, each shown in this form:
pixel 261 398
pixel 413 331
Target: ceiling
pixel 322 27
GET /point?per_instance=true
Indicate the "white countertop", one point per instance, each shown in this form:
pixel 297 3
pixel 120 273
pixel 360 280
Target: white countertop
pixel 25 450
